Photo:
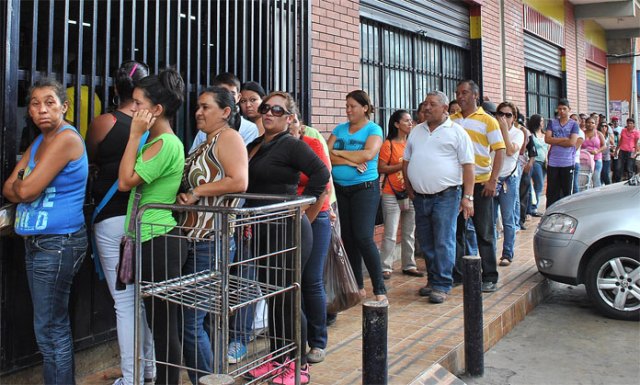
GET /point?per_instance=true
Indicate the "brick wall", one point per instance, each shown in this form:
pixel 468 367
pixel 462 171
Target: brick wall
pixel 570 41
pixel 514 65
pixel 491 51
pixel 335 59
pixel 583 103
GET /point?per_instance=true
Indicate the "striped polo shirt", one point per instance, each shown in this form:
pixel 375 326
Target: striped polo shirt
pixel 486 137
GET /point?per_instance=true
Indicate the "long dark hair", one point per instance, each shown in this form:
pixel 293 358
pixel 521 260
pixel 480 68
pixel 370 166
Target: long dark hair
pixel 533 124
pixel 392 130
pixel 166 89
pixel 224 99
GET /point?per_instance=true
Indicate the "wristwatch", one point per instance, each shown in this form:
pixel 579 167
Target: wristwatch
pixel 469 197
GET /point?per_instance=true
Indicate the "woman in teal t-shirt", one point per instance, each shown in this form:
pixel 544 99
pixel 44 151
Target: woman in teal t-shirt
pixel 156 172
pixel 353 149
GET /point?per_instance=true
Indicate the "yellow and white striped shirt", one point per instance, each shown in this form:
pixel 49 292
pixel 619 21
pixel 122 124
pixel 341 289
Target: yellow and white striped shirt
pixel 486 137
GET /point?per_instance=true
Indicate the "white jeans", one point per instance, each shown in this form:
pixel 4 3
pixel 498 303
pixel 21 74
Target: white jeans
pixel 108 234
pixel 392 217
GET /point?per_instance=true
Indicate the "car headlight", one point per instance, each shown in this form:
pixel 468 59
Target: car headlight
pixel 559 223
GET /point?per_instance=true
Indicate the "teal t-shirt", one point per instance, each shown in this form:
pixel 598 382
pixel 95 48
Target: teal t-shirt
pixel 347 175
pixel 162 175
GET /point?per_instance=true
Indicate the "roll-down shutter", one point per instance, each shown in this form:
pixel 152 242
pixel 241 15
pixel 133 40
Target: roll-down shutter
pixel 447 21
pixel 542 56
pixel 596 89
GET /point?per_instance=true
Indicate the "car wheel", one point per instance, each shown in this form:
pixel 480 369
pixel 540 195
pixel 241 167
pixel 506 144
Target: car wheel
pixel 613 281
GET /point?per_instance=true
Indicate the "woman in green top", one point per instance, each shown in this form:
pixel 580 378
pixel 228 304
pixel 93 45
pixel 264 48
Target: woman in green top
pixel 156 172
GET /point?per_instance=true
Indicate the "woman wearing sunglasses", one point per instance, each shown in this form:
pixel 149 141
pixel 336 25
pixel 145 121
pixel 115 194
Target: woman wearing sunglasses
pixel 609 141
pixel 353 149
pixel 594 144
pixel 508 181
pixel 276 160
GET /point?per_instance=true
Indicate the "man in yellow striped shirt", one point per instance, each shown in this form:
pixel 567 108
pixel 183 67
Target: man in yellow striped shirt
pixel 486 137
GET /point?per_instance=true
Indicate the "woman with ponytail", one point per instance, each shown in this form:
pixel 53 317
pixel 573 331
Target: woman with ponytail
pixel 154 173
pixel 106 140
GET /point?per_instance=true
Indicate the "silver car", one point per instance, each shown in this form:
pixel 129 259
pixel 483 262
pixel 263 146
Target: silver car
pixel 593 238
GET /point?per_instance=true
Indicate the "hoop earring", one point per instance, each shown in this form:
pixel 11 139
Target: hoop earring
pixel 115 100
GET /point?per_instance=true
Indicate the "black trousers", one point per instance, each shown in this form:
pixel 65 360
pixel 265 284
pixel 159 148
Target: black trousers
pixel 525 195
pixel 559 183
pixel 162 259
pixel 484 223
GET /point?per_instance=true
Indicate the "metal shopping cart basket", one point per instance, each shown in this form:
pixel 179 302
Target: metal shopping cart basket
pixel 263 239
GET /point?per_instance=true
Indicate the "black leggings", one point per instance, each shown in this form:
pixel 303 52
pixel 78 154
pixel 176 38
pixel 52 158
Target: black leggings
pixel 162 259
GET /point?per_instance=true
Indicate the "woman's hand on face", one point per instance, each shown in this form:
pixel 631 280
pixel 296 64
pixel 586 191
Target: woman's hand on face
pixel 141 122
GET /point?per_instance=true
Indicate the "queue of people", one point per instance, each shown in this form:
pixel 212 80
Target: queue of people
pixel 447 181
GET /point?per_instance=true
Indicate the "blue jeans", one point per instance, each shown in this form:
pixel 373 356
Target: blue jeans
pixel 596 173
pixel 538 174
pixel 314 297
pixel 605 173
pixel 436 232
pixel 243 319
pixel 196 342
pixel 51 262
pixel 576 171
pixel 471 243
pixel 506 200
pixel 358 205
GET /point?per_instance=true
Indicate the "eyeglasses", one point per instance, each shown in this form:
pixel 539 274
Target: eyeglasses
pixel 277 111
pixel 509 115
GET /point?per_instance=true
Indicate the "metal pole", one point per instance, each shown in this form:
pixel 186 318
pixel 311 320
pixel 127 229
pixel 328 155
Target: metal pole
pixel 374 342
pixel 473 334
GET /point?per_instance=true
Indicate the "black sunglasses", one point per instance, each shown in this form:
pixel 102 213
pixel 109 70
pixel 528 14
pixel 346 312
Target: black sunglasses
pixel 277 111
pixel 509 115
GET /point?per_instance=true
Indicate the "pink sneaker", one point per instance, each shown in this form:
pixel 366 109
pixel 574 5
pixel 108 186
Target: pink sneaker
pixel 267 368
pixel 288 374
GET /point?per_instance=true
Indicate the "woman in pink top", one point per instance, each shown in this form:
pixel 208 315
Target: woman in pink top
pixel 628 146
pixel 594 143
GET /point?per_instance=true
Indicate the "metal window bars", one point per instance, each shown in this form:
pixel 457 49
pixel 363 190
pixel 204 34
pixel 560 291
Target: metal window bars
pixel 251 257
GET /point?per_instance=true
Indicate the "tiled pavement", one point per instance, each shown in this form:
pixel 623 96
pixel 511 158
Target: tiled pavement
pixel 421 334
pixel 424 340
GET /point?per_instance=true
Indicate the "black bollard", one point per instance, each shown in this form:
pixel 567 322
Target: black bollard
pixel 473 334
pixel 374 342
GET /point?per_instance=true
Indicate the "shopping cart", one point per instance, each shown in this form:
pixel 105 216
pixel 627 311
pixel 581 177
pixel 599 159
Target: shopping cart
pixel 587 167
pixel 266 268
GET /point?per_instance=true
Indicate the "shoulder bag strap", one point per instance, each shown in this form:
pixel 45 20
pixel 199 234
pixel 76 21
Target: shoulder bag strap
pixel 101 205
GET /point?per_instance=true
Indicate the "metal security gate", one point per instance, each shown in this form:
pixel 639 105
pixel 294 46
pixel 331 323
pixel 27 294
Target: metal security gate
pixel 399 67
pixel 596 89
pixel 81 43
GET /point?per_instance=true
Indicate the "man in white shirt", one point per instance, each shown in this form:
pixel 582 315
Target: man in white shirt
pixel 248 130
pixel 438 169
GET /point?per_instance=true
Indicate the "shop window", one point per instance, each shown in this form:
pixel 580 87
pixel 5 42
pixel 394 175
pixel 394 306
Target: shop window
pixel 543 93
pixel 399 67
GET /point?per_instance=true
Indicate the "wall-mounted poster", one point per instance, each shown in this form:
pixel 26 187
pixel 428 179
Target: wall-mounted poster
pixel 619 109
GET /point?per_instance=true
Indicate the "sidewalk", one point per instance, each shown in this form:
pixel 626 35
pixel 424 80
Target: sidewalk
pixel 423 338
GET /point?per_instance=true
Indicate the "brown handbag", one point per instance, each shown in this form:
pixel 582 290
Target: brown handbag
pixel 126 268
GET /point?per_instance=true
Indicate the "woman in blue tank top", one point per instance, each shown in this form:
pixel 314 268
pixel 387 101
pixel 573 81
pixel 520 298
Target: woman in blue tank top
pixel 48 184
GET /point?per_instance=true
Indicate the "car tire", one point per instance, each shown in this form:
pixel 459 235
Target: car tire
pixel 609 283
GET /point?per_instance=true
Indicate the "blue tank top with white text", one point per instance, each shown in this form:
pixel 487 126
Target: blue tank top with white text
pixel 58 209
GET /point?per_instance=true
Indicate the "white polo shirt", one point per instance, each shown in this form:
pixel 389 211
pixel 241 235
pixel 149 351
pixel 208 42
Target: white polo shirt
pixel 436 158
